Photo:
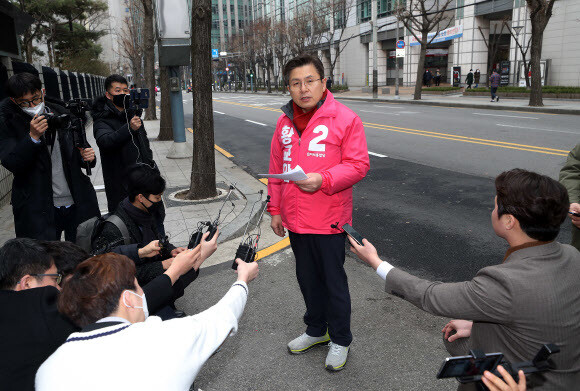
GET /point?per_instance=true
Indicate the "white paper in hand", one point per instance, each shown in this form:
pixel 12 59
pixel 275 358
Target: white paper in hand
pixel 296 174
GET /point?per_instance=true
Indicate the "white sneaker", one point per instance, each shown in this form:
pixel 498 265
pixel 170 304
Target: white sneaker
pixel 336 357
pixel 305 342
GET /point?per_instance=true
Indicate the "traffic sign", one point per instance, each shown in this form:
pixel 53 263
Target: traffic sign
pixel 227 69
pixel 400 53
pixel 400 44
pixel 215 53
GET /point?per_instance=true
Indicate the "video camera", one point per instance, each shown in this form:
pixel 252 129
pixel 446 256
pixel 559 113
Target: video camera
pixel 79 107
pixel 470 368
pixel 139 100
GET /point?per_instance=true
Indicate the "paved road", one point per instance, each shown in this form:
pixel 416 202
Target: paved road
pixel 427 199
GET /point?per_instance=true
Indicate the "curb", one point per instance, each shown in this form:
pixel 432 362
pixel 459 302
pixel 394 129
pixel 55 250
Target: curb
pixel 544 109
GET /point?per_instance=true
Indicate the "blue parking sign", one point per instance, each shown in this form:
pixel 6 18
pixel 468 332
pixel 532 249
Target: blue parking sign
pixel 215 53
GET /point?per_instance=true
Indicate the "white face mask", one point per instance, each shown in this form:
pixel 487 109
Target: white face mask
pixel 145 309
pixel 32 111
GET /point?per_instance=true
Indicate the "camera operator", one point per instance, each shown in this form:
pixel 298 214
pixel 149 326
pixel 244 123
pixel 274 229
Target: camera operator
pixel 121 138
pixel 50 193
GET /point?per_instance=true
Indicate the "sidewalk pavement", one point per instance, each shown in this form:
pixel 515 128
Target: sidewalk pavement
pixel 551 106
pixel 182 217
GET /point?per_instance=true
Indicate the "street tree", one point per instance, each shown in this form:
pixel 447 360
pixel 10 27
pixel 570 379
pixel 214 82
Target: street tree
pixel 524 48
pixel 339 12
pixel 131 46
pixel 149 56
pixel 540 14
pixel 203 165
pixel 166 122
pixel 422 17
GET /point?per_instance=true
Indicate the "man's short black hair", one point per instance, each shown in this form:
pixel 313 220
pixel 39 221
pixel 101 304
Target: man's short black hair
pixel 21 84
pixel 538 202
pixel 300 61
pixel 66 255
pixel 19 257
pixel 114 79
pixel 142 179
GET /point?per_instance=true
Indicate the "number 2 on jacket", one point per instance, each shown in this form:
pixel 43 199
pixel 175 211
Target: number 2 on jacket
pixel 314 145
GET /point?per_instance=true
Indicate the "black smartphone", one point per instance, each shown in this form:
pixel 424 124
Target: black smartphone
pixel 353 234
pixel 467 366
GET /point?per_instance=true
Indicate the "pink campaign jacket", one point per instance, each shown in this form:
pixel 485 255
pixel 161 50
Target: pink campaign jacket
pixel 333 145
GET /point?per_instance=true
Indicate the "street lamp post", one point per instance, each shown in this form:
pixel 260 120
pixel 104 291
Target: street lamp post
pixel 244 58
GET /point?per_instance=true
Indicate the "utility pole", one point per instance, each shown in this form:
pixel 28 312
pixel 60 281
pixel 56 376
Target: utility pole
pixel 396 62
pixel 375 71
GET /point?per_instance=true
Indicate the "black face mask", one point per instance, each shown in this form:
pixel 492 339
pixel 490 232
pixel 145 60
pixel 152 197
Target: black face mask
pixel 122 100
pixel 154 206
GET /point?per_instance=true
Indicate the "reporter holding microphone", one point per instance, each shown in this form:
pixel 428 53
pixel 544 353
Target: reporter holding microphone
pixel 120 347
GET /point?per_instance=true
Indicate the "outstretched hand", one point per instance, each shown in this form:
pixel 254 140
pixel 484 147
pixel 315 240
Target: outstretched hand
pixel 367 253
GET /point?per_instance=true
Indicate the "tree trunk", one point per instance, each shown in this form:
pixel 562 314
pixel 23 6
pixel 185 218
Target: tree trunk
pixel 536 55
pixel 149 57
pixel 203 165
pixel 166 125
pixel 421 68
pixel 268 83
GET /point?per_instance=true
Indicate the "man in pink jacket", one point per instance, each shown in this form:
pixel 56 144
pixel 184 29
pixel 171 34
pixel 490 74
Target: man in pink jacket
pixel 327 140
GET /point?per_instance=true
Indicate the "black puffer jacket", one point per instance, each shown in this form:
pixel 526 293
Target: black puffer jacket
pixel 32 202
pixel 120 147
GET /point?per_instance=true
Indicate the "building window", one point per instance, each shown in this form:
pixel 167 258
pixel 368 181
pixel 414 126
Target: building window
pixel 363 10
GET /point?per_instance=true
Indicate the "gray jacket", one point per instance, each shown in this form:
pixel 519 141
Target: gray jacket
pixel 531 299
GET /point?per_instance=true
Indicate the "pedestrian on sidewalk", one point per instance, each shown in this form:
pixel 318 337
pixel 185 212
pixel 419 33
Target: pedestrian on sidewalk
pixel 121 138
pixel 437 77
pixel 477 77
pixel 327 139
pixel 50 192
pixel 427 76
pixel 494 84
pixel 469 79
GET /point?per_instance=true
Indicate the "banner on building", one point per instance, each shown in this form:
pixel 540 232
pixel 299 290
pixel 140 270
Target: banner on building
pixel 444 35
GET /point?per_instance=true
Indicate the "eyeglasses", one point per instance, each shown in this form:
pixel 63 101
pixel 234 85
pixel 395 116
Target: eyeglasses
pixel 29 103
pixel 297 85
pixel 58 276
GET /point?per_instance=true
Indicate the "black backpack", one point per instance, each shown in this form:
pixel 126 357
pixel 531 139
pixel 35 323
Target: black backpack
pixel 89 230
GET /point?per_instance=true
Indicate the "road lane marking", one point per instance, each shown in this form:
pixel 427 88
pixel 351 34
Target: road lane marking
pixel 264 181
pixel 472 140
pixel 503 115
pixel 273 248
pixel 223 151
pixel 375 112
pixel 544 130
pixel 219 112
pixel 376 154
pixel 444 136
pixel 254 122
pixel 527 112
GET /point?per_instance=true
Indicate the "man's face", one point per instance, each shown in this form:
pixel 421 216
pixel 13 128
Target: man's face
pixel 117 89
pixel 30 99
pixel 306 87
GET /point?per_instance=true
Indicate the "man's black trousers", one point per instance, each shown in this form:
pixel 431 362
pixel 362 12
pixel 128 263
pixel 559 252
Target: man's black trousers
pixel 324 285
